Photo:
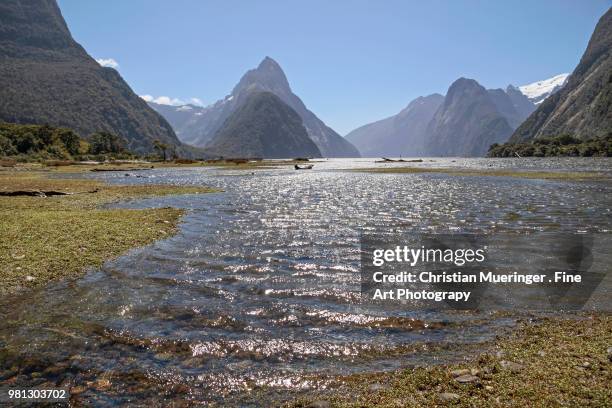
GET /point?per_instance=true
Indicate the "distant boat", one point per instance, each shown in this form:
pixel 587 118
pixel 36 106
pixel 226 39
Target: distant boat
pixel 307 167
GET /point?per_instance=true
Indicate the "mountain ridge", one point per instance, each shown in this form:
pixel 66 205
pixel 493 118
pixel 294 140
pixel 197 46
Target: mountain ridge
pixel 466 123
pixel 582 108
pixel 267 76
pixel 263 126
pixel 46 77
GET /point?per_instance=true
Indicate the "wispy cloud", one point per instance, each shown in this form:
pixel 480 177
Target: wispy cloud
pixel 196 101
pixel 108 62
pixel 167 100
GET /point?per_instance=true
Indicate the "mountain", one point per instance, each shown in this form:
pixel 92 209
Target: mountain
pixel 263 126
pixel 182 118
pixel 467 122
pixel 426 125
pixel 46 77
pixel 268 76
pixel 401 134
pixel 583 107
pixel 522 104
pixel 540 90
pixel 512 105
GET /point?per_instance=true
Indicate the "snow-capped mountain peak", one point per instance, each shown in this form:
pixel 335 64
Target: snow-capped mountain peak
pixel 540 90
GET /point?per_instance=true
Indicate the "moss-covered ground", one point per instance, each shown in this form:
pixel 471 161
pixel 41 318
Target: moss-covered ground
pixel 47 238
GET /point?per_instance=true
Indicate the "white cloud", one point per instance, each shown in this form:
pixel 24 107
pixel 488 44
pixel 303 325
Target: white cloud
pixel 108 62
pixel 196 101
pixel 167 100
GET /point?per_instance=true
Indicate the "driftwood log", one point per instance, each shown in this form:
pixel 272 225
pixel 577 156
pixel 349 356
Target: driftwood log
pixel 42 193
pixel 121 169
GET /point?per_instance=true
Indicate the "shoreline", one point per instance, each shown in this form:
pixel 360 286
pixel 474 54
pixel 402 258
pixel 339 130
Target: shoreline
pixel 60 236
pixel 558 361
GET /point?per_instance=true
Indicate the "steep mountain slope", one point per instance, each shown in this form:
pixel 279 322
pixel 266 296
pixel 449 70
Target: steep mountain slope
pixel 401 134
pixel 466 123
pixel 522 104
pixel 583 108
pixel 514 108
pixel 48 78
pixel 540 90
pixel 268 76
pixel 263 126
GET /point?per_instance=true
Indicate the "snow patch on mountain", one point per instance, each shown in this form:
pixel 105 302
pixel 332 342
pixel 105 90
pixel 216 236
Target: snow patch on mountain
pixel 540 90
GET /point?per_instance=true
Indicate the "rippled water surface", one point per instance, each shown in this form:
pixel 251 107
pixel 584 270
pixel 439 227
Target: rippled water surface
pixel 260 287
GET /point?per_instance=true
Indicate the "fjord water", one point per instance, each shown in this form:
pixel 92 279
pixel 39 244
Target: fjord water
pixel 260 287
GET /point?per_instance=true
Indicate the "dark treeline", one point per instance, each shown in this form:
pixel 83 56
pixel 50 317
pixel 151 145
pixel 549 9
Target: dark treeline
pixel 44 142
pixel 564 145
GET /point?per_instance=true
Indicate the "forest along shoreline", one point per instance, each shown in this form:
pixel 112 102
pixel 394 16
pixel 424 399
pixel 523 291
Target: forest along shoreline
pixel 56 228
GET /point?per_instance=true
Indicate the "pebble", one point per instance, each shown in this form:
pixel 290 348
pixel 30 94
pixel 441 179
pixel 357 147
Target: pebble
pixel 376 387
pixel 511 366
pixel 488 388
pixel 467 378
pixel 319 404
pixel 194 362
pixel 102 384
pixel 163 356
pixel 448 396
pixel 462 371
pixel 29 278
pixel 77 390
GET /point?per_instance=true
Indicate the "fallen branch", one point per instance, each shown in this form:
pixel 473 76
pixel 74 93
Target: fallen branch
pixel 121 169
pixel 42 193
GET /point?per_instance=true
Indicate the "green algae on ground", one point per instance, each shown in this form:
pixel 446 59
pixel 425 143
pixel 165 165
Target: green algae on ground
pixel 57 237
pixel 554 362
pixel 543 175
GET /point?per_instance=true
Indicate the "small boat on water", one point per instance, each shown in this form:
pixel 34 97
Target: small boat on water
pixel 307 167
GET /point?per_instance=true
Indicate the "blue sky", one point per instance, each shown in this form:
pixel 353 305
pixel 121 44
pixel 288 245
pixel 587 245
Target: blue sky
pixel 351 61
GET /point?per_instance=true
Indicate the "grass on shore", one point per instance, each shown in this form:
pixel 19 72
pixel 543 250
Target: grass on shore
pixel 543 175
pixel 552 363
pixel 59 236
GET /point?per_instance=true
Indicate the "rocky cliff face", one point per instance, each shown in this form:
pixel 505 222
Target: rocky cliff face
pixel 467 122
pixel 513 106
pixel 263 126
pixel 402 134
pixel 583 107
pixel 267 77
pixel 48 78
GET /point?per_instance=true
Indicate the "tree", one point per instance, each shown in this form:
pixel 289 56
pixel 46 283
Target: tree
pixel 161 147
pixel 105 143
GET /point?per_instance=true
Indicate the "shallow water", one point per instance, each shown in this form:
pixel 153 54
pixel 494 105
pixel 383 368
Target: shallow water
pixel 260 287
